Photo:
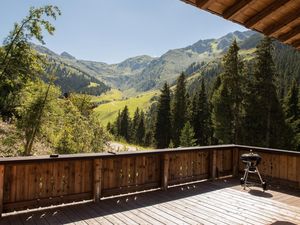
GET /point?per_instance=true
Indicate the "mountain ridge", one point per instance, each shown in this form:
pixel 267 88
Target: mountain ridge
pixel 143 73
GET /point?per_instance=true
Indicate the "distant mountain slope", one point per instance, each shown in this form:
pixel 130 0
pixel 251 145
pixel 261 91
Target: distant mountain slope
pixel 143 73
pixel 68 77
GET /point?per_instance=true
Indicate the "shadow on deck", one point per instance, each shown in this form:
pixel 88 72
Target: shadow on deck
pixel 218 202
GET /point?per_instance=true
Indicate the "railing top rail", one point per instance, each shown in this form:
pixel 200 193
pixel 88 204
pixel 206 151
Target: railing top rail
pixel 9 160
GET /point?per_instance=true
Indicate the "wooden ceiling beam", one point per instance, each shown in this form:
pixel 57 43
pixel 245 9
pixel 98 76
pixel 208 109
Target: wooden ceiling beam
pixel 265 12
pixel 296 44
pixel 282 23
pixel 235 8
pixel 203 3
pixel 292 33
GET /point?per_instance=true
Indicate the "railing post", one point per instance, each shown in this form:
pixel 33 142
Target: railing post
pixel 97 167
pixel 1 188
pixel 235 162
pixel 213 164
pixel 165 171
pixel 298 170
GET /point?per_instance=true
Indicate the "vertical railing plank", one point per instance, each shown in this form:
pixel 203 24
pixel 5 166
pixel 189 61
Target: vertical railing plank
pixel 235 162
pixel 1 188
pixel 165 171
pixel 213 164
pixel 298 170
pixel 97 167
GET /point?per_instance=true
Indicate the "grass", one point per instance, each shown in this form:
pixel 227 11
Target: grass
pixel 112 95
pixel 92 84
pixel 108 112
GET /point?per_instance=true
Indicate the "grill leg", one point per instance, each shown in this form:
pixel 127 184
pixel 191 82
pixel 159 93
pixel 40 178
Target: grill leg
pixel 245 178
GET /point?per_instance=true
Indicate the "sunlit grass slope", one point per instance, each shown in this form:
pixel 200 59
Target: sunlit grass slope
pixel 108 112
pixel 112 95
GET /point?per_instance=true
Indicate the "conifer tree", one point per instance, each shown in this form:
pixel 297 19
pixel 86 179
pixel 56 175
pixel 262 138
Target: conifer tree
pixel 125 124
pixel 162 133
pixel 179 109
pixel 291 106
pixel 222 116
pixel 229 97
pixel 135 123
pixel 264 118
pixel 140 131
pixel 201 117
pixel 187 136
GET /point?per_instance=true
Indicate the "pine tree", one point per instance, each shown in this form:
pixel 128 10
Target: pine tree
pixel 125 124
pixel 291 106
pixel 135 123
pixel 179 109
pixel 201 117
pixel 140 131
pixel 264 118
pixel 229 97
pixel 291 103
pixel 187 136
pixel 222 115
pixel 162 133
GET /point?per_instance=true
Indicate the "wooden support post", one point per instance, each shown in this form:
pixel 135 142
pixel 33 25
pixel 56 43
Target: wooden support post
pixel 97 167
pixel 165 171
pixel 1 188
pixel 298 170
pixel 213 164
pixel 235 162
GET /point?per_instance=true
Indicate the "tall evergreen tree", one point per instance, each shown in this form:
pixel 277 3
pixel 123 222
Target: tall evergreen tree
pixel 179 109
pixel 264 118
pixel 222 116
pixel 162 133
pixel 135 124
pixel 229 95
pixel 291 106
pixel 125 124
pixel 140 131
pixel 201 117
pixel 187 136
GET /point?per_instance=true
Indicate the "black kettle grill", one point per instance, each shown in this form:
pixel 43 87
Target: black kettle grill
pixel 251 161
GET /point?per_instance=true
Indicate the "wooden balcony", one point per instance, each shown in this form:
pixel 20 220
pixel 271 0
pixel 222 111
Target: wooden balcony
pixel 28 183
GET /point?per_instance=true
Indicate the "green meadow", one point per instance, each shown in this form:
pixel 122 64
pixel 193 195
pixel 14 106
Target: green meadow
pixel 114 102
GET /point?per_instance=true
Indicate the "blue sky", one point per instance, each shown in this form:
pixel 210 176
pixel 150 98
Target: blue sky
pixel 113 30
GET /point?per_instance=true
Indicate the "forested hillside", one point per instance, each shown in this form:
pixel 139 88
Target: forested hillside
pixel 241 88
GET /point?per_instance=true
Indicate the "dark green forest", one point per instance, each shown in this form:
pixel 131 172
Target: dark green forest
pixel 241 101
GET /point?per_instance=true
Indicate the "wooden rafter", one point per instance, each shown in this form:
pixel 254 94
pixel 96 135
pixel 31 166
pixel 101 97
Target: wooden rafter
pixel 202 3
pixel 285 37
pixel 296 44
pixel 274 18
pixel 283 22
pixel 235 8
pixel 265 12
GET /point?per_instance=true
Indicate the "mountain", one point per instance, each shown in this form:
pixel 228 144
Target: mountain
pixel 67 55
pixel 69 77
pixel 143 73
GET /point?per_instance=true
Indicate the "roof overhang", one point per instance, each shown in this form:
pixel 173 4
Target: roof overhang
pixel 279 19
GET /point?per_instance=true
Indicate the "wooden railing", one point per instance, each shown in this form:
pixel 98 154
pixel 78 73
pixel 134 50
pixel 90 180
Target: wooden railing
pixel 32 182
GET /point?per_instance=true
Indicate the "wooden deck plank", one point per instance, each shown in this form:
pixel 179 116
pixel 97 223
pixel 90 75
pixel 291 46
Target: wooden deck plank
pixel 124 209
pixel 97 214
pixel 217 202
pixel 274 210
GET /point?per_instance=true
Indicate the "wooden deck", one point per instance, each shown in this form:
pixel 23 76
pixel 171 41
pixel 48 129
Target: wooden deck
pixel 218 202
